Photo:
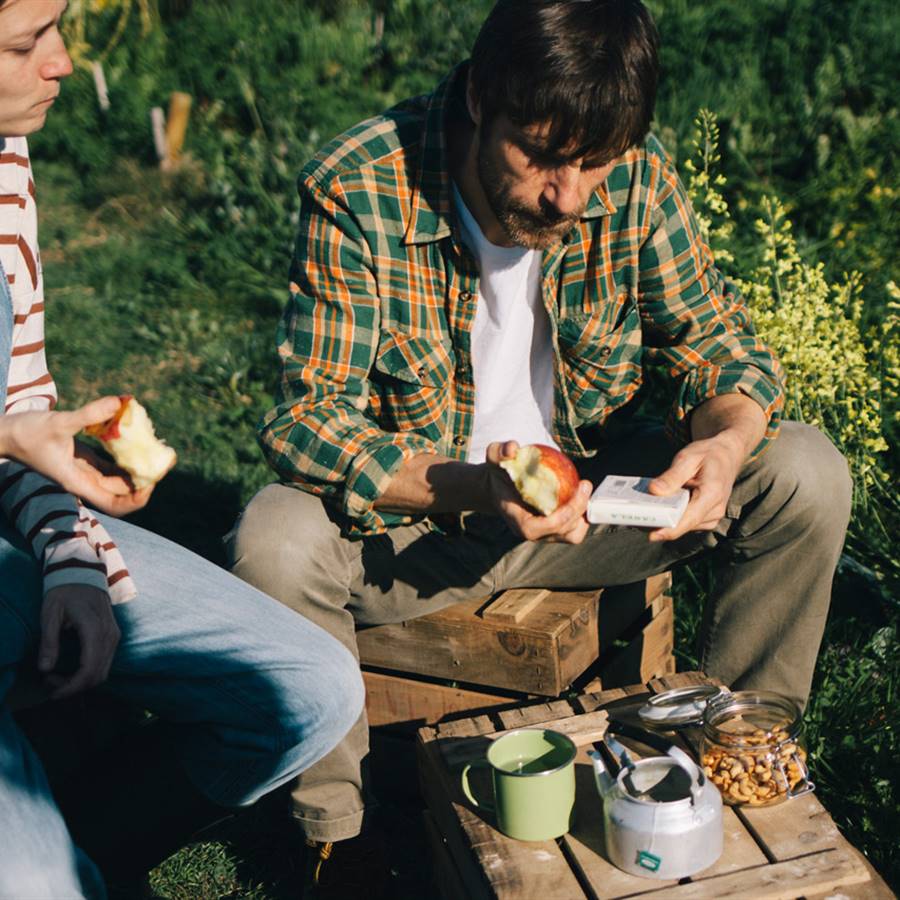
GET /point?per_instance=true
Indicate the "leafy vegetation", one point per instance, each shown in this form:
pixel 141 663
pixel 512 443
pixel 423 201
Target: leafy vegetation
pixel 170 285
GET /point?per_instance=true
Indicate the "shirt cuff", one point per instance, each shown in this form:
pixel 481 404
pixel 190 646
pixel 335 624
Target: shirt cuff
pixel 713 381
pixel 75 562
pixel 369 476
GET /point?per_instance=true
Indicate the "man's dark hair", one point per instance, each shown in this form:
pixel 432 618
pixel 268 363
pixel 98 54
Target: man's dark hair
pixel 588 68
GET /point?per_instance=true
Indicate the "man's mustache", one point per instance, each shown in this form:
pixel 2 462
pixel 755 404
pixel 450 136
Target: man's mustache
pixel 546 216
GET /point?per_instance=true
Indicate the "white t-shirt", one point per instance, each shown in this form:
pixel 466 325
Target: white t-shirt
pixel 512 352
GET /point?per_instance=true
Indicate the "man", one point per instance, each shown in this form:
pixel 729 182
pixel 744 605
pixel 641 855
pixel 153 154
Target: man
pixel 497 264
pixel 247 693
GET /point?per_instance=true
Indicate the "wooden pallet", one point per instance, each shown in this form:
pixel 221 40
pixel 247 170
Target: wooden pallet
pixel 788 851
pixel 519 644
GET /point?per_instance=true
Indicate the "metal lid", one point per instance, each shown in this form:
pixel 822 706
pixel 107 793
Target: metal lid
pixel 680 706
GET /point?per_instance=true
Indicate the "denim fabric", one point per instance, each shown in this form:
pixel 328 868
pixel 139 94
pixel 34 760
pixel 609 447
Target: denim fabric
pixel 6 330
pixel 257 692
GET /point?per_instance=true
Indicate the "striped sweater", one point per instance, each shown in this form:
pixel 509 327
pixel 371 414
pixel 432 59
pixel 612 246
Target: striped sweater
pixel 71 544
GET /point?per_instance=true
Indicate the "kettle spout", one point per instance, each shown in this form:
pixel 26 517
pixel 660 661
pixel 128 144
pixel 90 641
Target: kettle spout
pixel 602 778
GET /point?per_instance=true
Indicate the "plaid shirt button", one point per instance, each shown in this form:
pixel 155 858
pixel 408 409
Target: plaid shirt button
pixel 605 351
pixel 459 440
pixel 466 296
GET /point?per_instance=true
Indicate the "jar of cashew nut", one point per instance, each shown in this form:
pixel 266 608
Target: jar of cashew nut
pixel 752 749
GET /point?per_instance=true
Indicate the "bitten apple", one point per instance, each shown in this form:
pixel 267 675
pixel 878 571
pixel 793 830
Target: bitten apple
pixel 130 438
pixel 545 477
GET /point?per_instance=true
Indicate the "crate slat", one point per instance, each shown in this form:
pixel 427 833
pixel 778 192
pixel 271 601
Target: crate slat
pixel 446 876
pixel 393 700
pixel 786 880
pixel 513 606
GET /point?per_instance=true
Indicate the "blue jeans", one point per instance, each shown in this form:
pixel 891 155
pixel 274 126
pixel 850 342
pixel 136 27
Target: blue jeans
pixel 257 692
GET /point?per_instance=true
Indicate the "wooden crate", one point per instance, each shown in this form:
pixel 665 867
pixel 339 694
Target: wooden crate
pixel 788 851
pixel 535 641
pixel 394 699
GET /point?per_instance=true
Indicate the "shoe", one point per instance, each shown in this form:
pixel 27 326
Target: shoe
pixel 353 869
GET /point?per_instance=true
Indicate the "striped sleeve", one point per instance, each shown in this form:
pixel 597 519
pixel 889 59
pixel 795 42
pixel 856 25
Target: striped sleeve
pixel 72 545
pixel 696 322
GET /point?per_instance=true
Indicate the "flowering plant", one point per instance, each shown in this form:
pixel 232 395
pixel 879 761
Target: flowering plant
pixel 839 377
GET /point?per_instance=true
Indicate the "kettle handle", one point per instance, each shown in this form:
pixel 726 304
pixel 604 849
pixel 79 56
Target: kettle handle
pixel 694 772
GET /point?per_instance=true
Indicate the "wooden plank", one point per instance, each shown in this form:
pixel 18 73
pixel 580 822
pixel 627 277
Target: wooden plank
pixel 739 850
pixel 512 606
pixel 530 716
pixel 874 889
pixel 446 876
pixel 803 825
pixel 611 698
pixel 392 700
pixel 543 654
pixel 436 792
pixel 582 729
pixel 777 881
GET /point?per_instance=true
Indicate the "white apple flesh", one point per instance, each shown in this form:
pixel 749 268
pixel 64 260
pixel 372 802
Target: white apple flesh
pixel 544 477
pixel 130 438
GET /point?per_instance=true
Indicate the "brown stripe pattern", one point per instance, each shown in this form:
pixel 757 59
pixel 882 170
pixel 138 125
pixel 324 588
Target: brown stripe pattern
pixel 73 546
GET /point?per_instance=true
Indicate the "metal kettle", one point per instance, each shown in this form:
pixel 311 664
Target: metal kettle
pixel 662 817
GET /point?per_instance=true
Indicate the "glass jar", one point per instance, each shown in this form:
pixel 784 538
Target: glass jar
pixel 752 749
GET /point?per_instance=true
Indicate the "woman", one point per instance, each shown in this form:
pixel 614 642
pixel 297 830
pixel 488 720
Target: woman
pixel 249 692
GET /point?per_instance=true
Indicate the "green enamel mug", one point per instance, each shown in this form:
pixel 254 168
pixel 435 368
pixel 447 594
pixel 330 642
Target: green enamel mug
pixel 533 777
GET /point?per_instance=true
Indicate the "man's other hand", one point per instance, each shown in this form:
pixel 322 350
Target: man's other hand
pixel 87 611
pixel 44 441
pixel 567 524
pixel 708 468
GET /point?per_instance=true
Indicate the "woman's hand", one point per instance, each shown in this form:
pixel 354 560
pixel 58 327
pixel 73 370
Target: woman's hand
pixel 44 441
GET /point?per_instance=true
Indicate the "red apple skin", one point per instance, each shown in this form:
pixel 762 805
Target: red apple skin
pixel 555 462
pixel 109 430
pixel 564 469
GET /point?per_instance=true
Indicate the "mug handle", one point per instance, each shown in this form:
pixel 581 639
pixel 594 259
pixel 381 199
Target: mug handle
pixel 467 790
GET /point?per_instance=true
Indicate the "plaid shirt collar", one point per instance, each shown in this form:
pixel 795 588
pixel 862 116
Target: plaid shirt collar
pixel 431 207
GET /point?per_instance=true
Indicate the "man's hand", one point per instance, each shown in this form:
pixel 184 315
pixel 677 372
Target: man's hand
pixel 708 468
pixel 566 525
pixel 44 441
pixel 725 430
pixel 87 611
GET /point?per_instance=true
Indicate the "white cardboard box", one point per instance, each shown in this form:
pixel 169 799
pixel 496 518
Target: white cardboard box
pixel 626 500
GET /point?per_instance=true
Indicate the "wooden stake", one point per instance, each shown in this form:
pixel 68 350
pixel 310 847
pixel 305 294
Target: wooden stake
pixel 176 126
pixel 158 126
pixel 100 85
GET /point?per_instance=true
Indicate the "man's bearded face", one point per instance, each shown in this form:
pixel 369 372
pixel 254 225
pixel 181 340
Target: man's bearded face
pixel 536 198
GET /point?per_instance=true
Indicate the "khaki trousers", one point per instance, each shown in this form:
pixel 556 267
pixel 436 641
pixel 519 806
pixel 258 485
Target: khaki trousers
pixel 775 554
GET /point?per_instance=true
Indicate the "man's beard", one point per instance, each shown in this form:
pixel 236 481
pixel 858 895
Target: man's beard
pixel 525 226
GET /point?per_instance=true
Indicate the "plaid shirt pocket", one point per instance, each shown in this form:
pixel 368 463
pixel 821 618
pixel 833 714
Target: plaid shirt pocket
pixel 412 383
pixel 602 360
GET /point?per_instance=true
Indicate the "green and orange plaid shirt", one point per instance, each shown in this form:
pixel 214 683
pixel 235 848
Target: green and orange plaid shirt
pixel 375 341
